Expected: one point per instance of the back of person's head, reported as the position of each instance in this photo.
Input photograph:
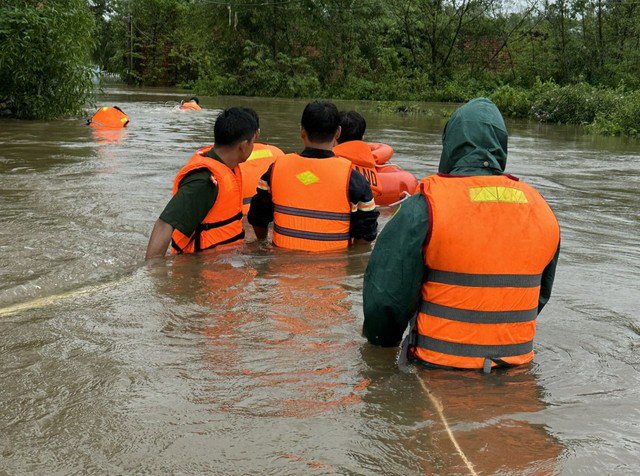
(475, 137)
(234, 125)
(320, 119)
(353, 126)
(253, 114)
(194, 99)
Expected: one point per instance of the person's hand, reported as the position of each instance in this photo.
(213, 180)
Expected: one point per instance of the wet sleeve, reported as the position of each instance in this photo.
(393, 278)
(261, 208)
(190, 205)
(364, 216)
(548, 276)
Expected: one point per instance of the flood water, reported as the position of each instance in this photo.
(252, 361)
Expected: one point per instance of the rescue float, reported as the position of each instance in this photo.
(389, 183)
(109, 117)
(381, 152)
(396, 184)
(190, 105)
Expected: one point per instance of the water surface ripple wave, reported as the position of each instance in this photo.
(252, 361)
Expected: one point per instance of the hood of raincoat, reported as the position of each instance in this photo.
(474, 141)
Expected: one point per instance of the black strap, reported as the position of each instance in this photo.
(239, 236)
(218, 224)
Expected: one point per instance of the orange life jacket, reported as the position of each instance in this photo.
(223, 223)
(259, 161)
(360, 155)
(490, 239)
(190, 105)
(109, 117)
(312, 211)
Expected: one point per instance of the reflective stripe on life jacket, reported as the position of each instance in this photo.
(360, 155)
(223, 223)
(259, 161)
(491, 238)
(312, 211)
(109, 117)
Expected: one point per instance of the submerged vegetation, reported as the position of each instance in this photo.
(569, 61)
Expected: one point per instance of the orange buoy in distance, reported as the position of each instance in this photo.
(191, 105)
(109, 117)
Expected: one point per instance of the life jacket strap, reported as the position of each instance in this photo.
(478, 317)
(473, 350)
(310, 235)
(484, 280)
(303, 212)
(218, 224)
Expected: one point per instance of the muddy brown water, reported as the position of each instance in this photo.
(252, 361)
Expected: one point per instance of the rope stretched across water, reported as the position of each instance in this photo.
(440, 409)
(48, 300)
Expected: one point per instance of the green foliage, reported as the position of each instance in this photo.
(44, 57)
(624, 119)
(573, 104)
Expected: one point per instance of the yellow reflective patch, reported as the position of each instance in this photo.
(105, 108)
(307, 177)
(260, 154)
(124, 119)
(497, 194)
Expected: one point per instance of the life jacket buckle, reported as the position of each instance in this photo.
(486, 369)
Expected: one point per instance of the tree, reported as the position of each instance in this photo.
(45, 57)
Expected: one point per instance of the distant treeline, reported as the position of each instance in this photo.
(369, 49)
(400, 50)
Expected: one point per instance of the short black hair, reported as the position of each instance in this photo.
(234, 125)
(321, 120)
(353, 126)
(194, 99)
(253, 114)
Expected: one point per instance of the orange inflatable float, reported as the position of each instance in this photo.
(381, 152)
(389, 183)
(396, 184)
(190, 105)
(109, 117)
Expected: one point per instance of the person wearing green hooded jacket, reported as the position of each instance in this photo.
(469, 260)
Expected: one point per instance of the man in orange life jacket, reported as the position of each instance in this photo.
(471, 257)
(316, 200)
(206, 209)
(352, 147)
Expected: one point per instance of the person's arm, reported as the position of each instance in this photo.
(548, 276)
(159, 240)
(261, 208)
(184, 212)
(393, 279)
(364, 216)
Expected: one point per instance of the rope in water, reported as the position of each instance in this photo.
(439, 408)
(47, 300)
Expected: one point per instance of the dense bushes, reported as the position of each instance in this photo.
(45, 50)
(606, 111)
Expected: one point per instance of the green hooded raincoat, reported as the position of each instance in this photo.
(474, 142)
